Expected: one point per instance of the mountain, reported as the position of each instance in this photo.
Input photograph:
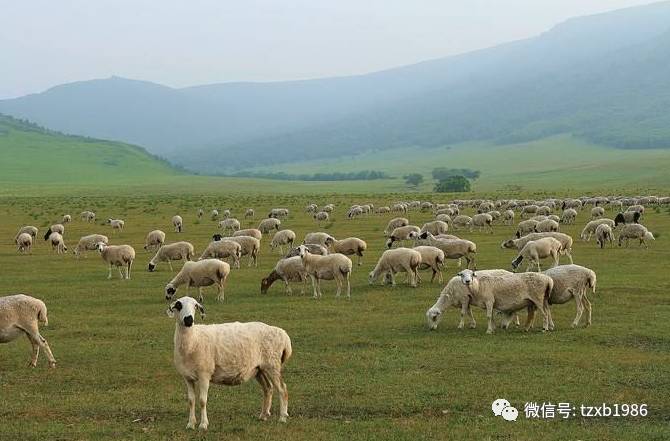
(603, 78)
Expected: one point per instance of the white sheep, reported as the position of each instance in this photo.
(635, 231)
(57, 243)
(518, 244)
(313, 248)
(87, 216)
(20, 315)
(349, 247)
(178, 223)
(116, 224)
(119, 256)
(229, 224)
(288, 269)
(627, 217)
(435, 227)
(535, 250)
(529, 209)
(154, 240)
(482, 220)
(462, 221)
(572, 281)
(89, 243)
(228, 354)
(66, 219)
(250, 246)
(395, 223)
(569, 216)
(55, 228)
(269, 224)
(226, 214)
(249, 213)
(223, 249)
(278, 213)
(597, 212)
(200, 213)
(526, 227)
(200, 274)
(24, 243)
(546, 226)
(590, 228)
(333, 266)
(323, 239)
(171, 252)
(604, 234)
(401, 234)
(394, 261)
(214, 215)
(453, 248)
(28, 229)
(281, 238)
(431, 258)
(321, 216)
(253, 232)
(508, 217)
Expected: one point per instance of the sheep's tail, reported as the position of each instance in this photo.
(288, 349)
(42, 314)
(47, 234)
(592, 282)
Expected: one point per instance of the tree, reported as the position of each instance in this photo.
(441, 173)
(453, 184)
(413, 179)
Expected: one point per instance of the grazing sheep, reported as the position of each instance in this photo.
(555, 218)
(443, 217)
(526, 227)
(66, 219)
(636, 208)
(333, 266)
(200, 213)
(311, 208)
(482, 220)
(89, 243)
(535, 250)
(228, 354)
(383, 210)
(394, 223)
(313, 248)
(20, 315)
(118, 256)
(154, 240)
(200, 274)
(214, 215)
(269, 224)
(226, 214)
(546, 226)
(57, 243)
(288, 269)
(604, 234)
(544, 210)
(319, 238)
(590, 227)
(495, 214)
(627, 217)
(399, 208)
(116, 224)
(462, 221)
(170, 252)
(55, 228)
(229, 224)
(518, 244)
(328, 208)
(431, 258)
(178, 223)
(321, 216)
(635, 231)
(402, 234)
(529, 209)
(435, 227)
(278, 213)
(453, 248)
(572, 281)
(352, 213)
(29, 229)
(24, 243)
(281, 238)
(249, 213)
(569, 216)
(253, 232)
(349, 247)
(250, 246)
(87, 216)
(394, 261)
(223, 249)
(597, 212)
(575, 204)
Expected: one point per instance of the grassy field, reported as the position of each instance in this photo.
(362, 369)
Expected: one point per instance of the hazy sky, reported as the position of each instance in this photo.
(179, 43)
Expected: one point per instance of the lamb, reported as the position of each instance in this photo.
(538, 249)
(435, 227)
(394, 223)
(627, 217)
(229, 224)
(526, 227)
(572, 281)
(269, 224)
(323, 239)
(57, 243)
(253, 232)
(462, 221)
(20, 315)
(431, 258)
(313, 248)
(604, 234)
(321, 216)
(518, 244)
(394, 261)
(178, 223)
(66, 219)
(250, 246)
(590, 227)
(597, 212)
(569, 216)
(87, 216)
(635, 231)
(546, 226)
(24, 243)
(289, 269)
(29, 229)
(200, 274)
(281, 238)
(173, 251)
(89, 243)
(154, 240)
(55, 228)
(116, 224)
(350, 246)
(504, 292)
(482, 220)
(402, 234)
(228, 354)
(333, 266)
(249, 213)
(453, 248)
(118, 256)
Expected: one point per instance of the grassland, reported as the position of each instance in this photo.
(364, 369)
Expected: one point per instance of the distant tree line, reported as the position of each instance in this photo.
(442, 173)
(364, 175)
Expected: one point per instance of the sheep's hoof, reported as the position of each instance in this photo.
(263, 416)
(489, 331)
(191, 425)
(282, 419)
(52, 364)
(32, 364)
(473, 326)
(203, 426)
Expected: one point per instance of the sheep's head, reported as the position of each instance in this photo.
(217, 237)
(433, 317)
(302, 251)
(100, 246)
(330, 240)
(170, 291)
(468, 277)
(151, 267)
(389, 242)
(507, 244)
(372, 277)
(413, 235)
(184, 310)
(424, 235)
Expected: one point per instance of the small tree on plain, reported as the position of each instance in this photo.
(453, 184)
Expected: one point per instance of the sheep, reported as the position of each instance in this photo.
(249, 212)
(223, 249)
(29, 229)
(154, 240)
(281, 238)
(394, 223)
(453, 248)
(383, 210)
(269, 224)
(328, 208)
(313, 248)
(636, 208)
(544, 210)
(323, 239)
(311, 208)
(502, 291)
(253, 232)
(226, 214)
(214, 215)
(575, 204)
(462, 221)
(250, 246)
(206, 272)
(495, 214)
(178, 223)
(228, 354)
(394, 261)
(173, 251)
(555, 218)
(635, 231)
(604, 234)
(431, 258)
(351, 214)
(590, 227)
(278, 213)
(401, 234)
(529, 209)
(508, 217)
(350, 246)
(24, 243)
(435, 227)
(66, 219)
(116, 224)
(200, 213)
(627, 217)
(482, 220)
(321, 216)
(333, 266)
(399, 208)
(89, 243)
(229, 224)
(526, 227)
(57, 243)
(55, 228)
(569, 216)
(546, 226)
(572, 281)
(87, 216)
(20, 314)
(597, 212)
(538, 249)
(288, 269)
(118, 256)
(518, 244)
(443, 217)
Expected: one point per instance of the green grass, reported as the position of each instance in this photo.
(362, 369)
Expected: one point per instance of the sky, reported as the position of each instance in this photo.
(181, 43)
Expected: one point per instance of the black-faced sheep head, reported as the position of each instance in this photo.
(184, 309)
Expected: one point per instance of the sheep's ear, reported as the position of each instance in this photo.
(201, 309)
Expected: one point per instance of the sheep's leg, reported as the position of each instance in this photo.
(569, 253)
(530, 318)
(203, 389)
(267, 395)
(109, 276)
(220, 296)
(314, 281)
(543, 307)
(190, 392)
(348, 286)
(288, 288)
(276, 379)
(587, 305)
(489, 316)
(130, 265)
(338, 282)
(170, 265)
(36, 351)
(200, 297)
(36, 339)
(465, 306)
